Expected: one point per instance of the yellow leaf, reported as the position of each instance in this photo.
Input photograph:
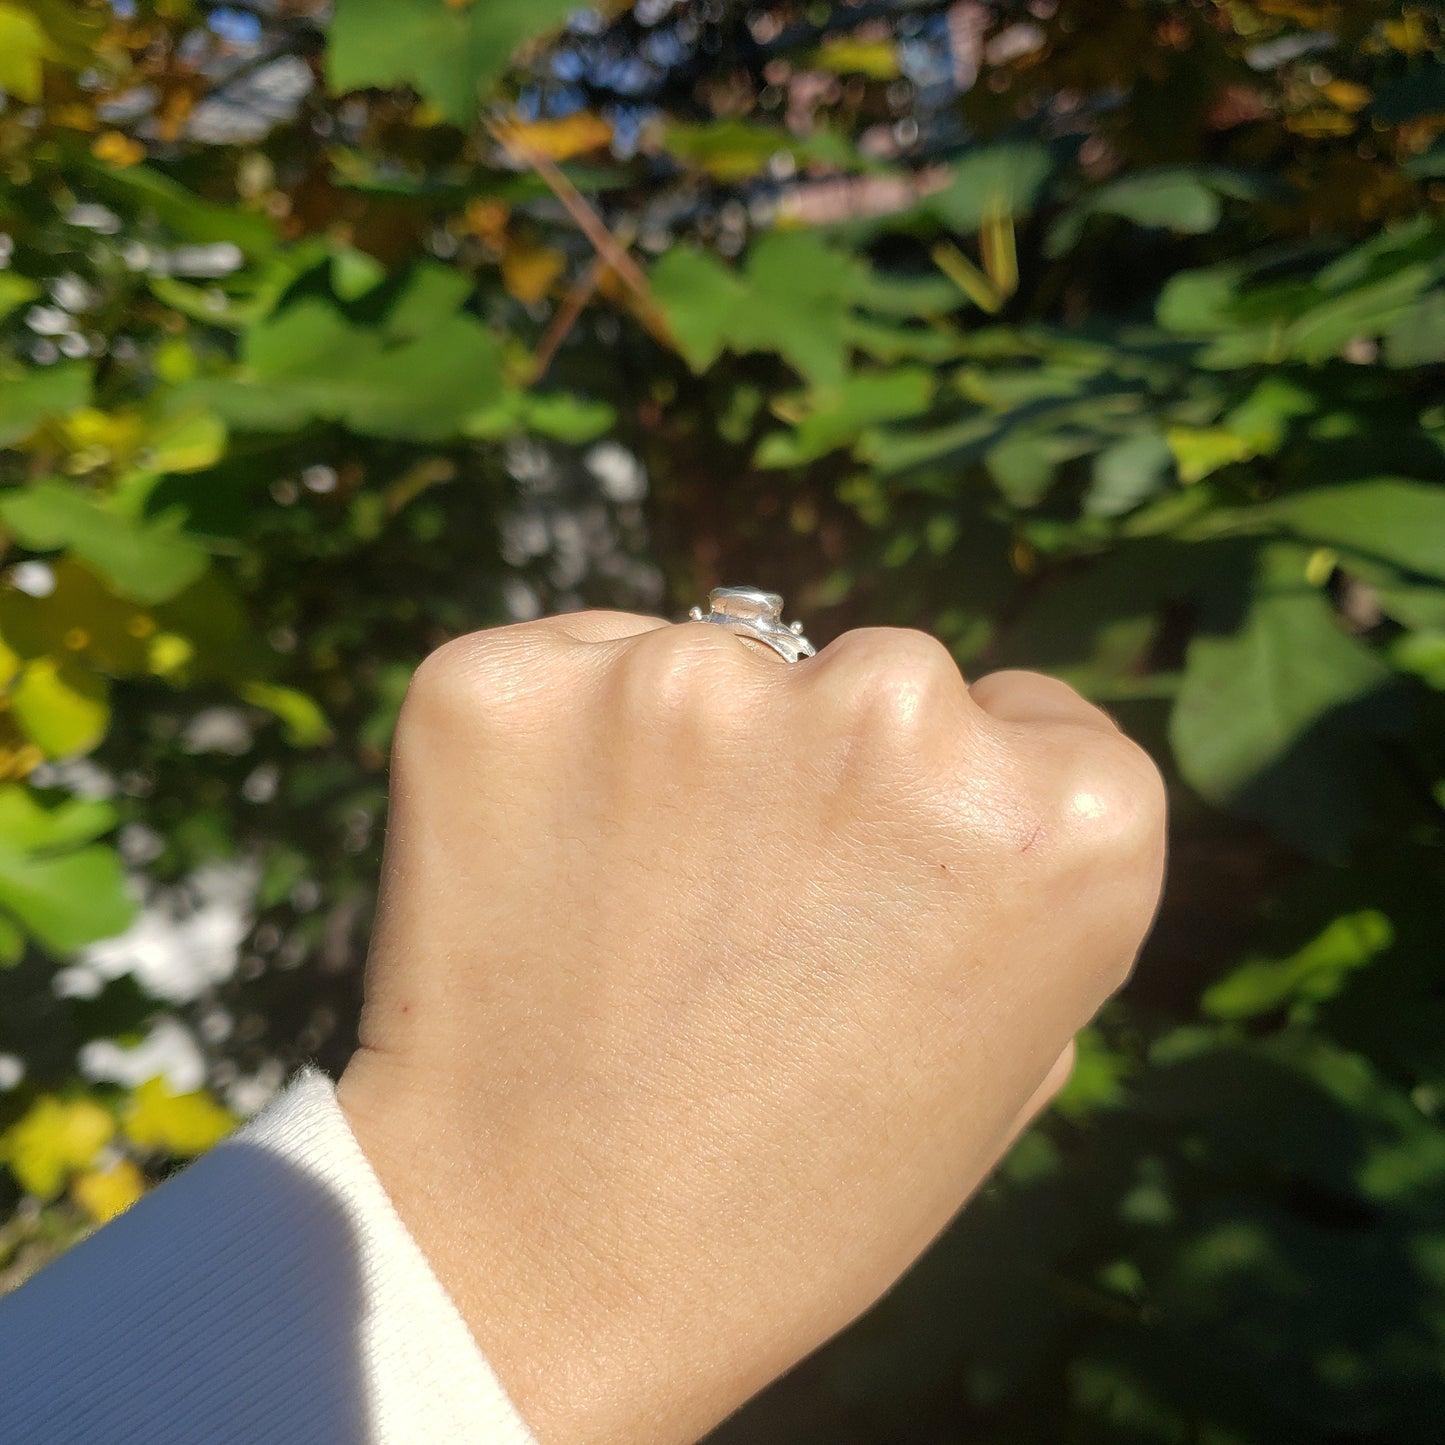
(73, 117)
(487, 220)
(61, 705)
(1198, 451)
(572, 135)
(1317, 14)
(174, 361)
(1347, 95)
(1320, 122)
(877, 59)
(104, 1193)
(1408, 34)
(19, 757)
(528, 272)
(967, 277)
(52, 1140)
(180, 1124)
(168, 654)
(998, 244)
(97, 438)
(117, 150)
(23, 45)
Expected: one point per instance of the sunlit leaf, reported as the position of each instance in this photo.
(311, 363)
(183, 1124)
(29, 827)
(1318, 971)
(54, 1139)
(144, 560)
(529, 272)
(107, 1192)
(450, 54)
(305, 723)
(564, 137)
(62, 706)
(877, 59)
(23, 47)
(66, 900)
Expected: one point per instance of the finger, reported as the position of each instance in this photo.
(1031, 697)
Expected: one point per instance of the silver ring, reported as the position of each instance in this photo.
(750, 612)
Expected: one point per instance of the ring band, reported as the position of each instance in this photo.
(750, 612)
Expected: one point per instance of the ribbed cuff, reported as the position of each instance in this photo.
(268, 1293)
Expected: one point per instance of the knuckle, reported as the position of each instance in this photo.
(448, 676)
(1113, 796)
(474, 678)
(674, 671)
(893, 676)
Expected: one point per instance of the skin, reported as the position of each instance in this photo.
(705, 987)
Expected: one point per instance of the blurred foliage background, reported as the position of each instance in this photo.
(1099, 336)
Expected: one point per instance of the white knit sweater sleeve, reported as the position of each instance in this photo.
(269, 1293)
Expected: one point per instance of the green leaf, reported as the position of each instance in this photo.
(147, 561)
(1023, 464)
(1127, 472)
(301, 717)
(311, 363)
(35, 396)
(184, 214)
(190, 441)
(1007, 177)
(1174, 200)
(838, 415)
(1391, 519)
(1272, 718)
(786, 301)
(69, 900)
(15, 290)
(451, 55)
(12, 942)
(1418, 337)
(735, 150)
(354, 273)
(1318, 971)
(1097, 1079)
(1422, 653)
(905, 297)
(701, 298)
(429, 297)
(28, 827)
(561, 415)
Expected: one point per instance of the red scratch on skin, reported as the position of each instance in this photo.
(1033, 838)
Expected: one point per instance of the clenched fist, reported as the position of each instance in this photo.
(706, 987)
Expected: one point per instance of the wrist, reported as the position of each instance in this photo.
(589, 1350)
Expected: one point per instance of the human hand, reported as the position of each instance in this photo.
(706, 987)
